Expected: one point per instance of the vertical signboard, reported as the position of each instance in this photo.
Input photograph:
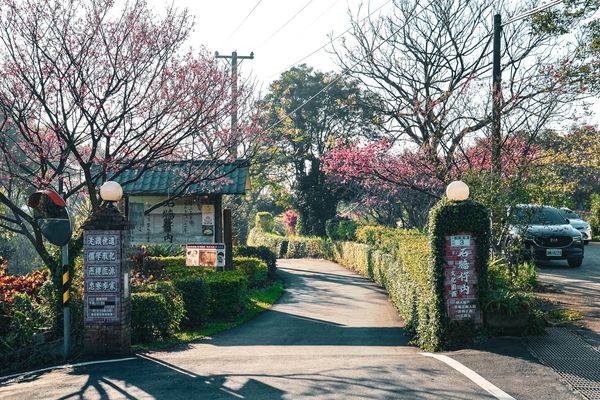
(460, 279)
(102, 276)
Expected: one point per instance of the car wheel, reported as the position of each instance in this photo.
(575, 262)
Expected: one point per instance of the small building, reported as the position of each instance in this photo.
(195, 214)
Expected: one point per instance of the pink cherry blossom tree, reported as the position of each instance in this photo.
(89, 90)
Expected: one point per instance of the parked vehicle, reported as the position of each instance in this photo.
(578, 223)
(542, 233)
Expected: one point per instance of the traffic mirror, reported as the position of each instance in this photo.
(51, 214)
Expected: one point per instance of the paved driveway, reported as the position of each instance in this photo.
(577, 288)
(333, 335)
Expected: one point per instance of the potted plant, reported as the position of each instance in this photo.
(506, 308)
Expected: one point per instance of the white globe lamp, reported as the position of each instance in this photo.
(457, 191)
(111, 191)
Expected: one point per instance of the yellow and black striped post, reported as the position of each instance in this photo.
(66, 282)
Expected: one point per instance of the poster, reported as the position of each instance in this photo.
(180, 221)
(205, 255)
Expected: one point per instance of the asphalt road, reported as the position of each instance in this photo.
(576, 288)
(333, 335)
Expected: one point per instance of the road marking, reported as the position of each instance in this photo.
(168, 366)
(65, 366)
(472, 375)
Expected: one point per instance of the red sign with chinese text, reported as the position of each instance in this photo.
(460, 279)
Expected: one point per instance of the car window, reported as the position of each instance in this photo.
(569, 214)
(538, 216)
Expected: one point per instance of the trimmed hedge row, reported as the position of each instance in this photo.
(253, 268)
(291, 246)
(159, 308)
(261, 252)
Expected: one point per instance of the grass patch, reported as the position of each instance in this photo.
(564, 315)
(258, 301)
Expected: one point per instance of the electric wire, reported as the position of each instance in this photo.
(243, 21)
(533, 11)
(334, 81)
(329, 41)
(286, 23)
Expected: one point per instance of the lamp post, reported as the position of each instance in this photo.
(457, 191)
(111, 191)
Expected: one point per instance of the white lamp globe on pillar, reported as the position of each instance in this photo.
(111, 191)
(457, 191)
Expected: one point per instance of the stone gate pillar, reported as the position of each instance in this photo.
(107, 305)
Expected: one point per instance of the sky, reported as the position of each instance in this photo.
(220, 26)
(280, 33)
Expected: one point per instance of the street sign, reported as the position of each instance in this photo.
(52, 216)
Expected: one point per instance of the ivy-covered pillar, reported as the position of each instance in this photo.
(460, 246)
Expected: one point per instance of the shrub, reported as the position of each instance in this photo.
(150, 318)
(173, 301)
(194, 292)
(595, 216)
(341, 229)
(265, 221)
(255, 270)
(524, 277)
(277, 244)
(261, 252)
(227, 293)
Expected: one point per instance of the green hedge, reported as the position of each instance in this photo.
(227, 293)
(264, 221)
(195, 294)
(150, 318)
(261, 252)
(291, 246)
(160, 326)
(255, 270)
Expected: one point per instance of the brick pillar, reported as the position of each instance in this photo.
(107, 298)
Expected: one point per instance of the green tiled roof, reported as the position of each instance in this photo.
(168, 178)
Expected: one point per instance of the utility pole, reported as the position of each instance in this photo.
(234, 88)
(496, 100)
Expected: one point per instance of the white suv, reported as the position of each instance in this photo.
(577, 223)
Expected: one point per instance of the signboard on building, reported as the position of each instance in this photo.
(205, 255)
(102, 275)
(180, 221)
(460, 279)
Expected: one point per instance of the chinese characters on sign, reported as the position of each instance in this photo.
(179, 221)
(460, 279)
(102, 269)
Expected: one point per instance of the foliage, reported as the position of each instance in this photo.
(506, 302)
(228, 292)
(290, 220)
(254, 268)
(257, 301)
(301, 135)
(265, 221)
(173, 302)
(595, 216)
(501, 276)
(195, 295)
(10, 285)
(290, 246)
(341, 229)
(565, 314)
(260, 252)
(150, 317)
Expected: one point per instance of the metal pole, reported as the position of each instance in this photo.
(66, 282)
(496, 99)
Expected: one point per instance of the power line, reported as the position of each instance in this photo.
(330, 41)
(533, 11)
(286, 23)
(244, 20)
(323, 13)
(348, 69)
